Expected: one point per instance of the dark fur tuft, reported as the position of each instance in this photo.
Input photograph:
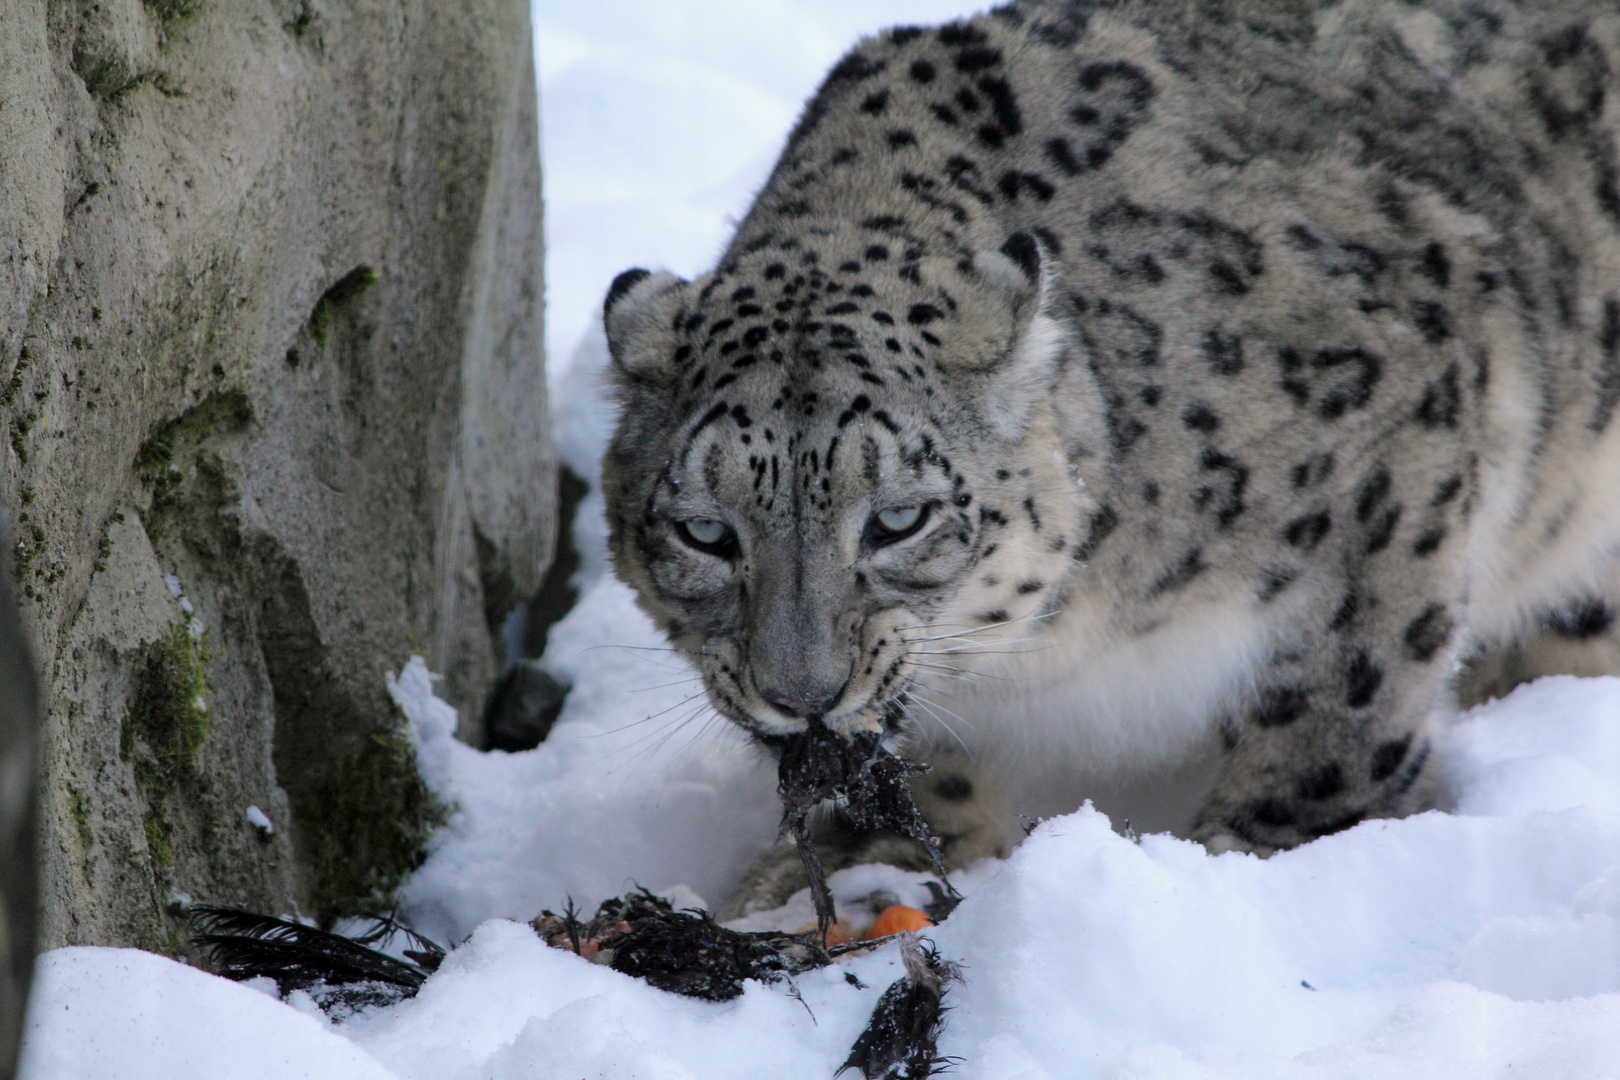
(622, 285)
(1023, 249)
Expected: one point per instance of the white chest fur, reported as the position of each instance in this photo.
(1076, 695)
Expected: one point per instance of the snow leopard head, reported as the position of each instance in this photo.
(834, 474)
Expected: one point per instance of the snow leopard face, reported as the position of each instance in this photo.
(826, 483)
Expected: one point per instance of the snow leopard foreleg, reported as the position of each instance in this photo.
(1340, 725)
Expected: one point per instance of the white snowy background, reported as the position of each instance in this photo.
(1480, 943)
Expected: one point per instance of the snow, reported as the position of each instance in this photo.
(610, 800)
(259, 820)
(1480, 942)
(134, 1015)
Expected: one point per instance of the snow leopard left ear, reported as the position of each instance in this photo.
(638, 317)
(1018, 268)
(1025, 272)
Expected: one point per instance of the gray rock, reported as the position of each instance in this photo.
(272, 419)
(19, 895)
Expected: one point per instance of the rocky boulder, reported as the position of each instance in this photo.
(272, 419)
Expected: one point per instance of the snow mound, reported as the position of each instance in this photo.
(97, 1014)
(1481, 942)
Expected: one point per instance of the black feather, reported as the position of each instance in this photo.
(901, 1040)
(340, 972)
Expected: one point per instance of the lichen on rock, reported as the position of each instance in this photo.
(170, 710)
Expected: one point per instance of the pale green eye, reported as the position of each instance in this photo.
(896, 523)
(899, 518)
(705, 532)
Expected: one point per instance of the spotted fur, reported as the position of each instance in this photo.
(1254, 362)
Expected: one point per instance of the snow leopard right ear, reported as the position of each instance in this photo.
(1025, 273)
(1021, 268)
(638, 316)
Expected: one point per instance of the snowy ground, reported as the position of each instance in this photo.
(1480, 943)
(1485, 942)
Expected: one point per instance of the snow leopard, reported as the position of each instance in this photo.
(1096, 379)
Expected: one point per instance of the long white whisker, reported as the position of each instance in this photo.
(933, 689)
(985, 650)
(636, 723)
(963, 674)
(975, 629)
(665, 686)
(938, 719)
(641, 648)
(973, 644)
(696, 738)
(652, 750)
(657, 732)
(948, 672)
(952, 712)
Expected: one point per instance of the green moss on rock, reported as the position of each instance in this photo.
(20, 426)
(9, 391)
(159, 460)
(366, 828)
(170, 710)
(81, 815)
(347, 289)
(173, 10)
(166, 726)
(158, 843)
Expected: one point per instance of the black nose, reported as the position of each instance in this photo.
(806, 703)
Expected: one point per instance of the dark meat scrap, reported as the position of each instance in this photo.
(685, 952)
(611, 922)
(863, 779)
(691, 954)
